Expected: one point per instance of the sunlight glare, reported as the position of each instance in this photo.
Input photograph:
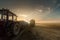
(25, 18)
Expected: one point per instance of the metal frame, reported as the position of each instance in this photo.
(7, 13)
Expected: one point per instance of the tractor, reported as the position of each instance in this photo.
(8, 23)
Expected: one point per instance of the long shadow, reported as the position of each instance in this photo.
(27, 35)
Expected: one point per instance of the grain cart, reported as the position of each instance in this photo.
(8, 23)
(32, 23)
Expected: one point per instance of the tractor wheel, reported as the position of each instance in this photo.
(16, 29)
(13, 29)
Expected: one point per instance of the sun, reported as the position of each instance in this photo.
(24, 17)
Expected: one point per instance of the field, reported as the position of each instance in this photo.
(49, 25)
(42, 31)
(48, 31)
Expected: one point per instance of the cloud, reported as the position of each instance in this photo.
(38, 9)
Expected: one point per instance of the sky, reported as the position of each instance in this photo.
(40, 10)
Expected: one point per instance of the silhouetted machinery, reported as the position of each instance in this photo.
(32, 23)
(9, 24)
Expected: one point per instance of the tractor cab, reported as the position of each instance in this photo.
(6, 15)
